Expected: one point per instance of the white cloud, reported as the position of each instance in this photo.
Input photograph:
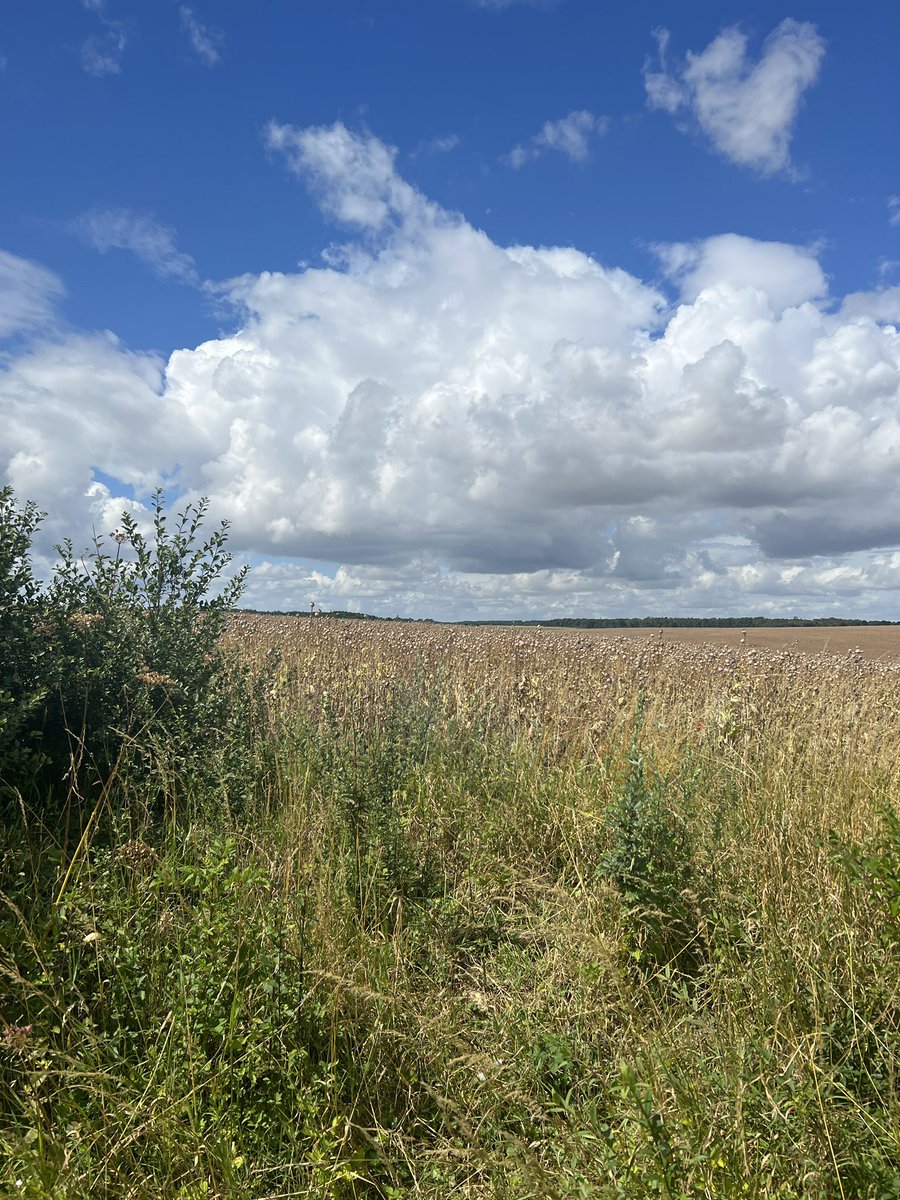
(28, 295)
(440, 145)
(787, 275)
(206, 42)
(882, 305)
(569, 135)
(101, 53)
(76, 402)
(747, 109)
(464, 427)
(893, 210)
(663, 90)
(154, 244)
(857, 586)
(355, 178)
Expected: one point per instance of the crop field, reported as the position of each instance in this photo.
(478, 912)
(879, 643)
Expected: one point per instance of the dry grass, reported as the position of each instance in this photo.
(577, 689)
(493, 913)
(875, 643)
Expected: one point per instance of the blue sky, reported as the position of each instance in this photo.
(460, 307)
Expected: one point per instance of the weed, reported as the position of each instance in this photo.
(649, 862)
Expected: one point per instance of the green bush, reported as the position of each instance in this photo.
(119, 656)
(21, 691)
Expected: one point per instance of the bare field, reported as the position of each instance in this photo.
(879, 643)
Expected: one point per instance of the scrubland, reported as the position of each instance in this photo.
(470, 912)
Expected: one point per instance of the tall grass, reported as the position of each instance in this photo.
(472, 913)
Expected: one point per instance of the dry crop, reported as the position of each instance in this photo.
(484, 913)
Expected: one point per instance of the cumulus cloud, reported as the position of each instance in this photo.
(28, 295)
(205, 41)
(882, 305)
(461, 427)
(787, 275)
(569, 135)
(747, 109)
(893, 204)
(154, 244)
(75, 402)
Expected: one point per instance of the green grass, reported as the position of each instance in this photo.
(476, 914)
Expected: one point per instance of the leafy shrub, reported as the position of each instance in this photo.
(20, 689)
(120, 654)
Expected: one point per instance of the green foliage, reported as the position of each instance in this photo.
(370, 767)
(119, 657)
(649, 861)
(177, 983)
(21, 690)
(877, 870)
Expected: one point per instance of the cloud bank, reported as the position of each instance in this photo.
(461, 427)
(747, 109)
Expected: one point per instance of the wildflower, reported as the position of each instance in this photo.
(15, 1038)
(137, 856)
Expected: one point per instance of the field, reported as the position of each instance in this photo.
(874, 643)
(481, 912)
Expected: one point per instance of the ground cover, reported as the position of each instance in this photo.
(474, 912)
